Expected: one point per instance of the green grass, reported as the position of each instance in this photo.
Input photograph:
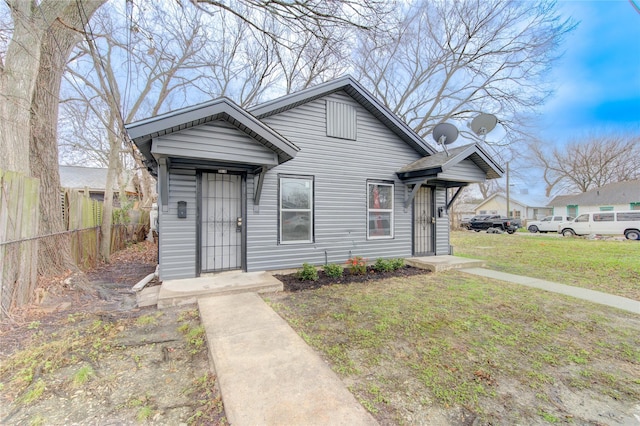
(459, 337)
(83, 375)
(609, 266)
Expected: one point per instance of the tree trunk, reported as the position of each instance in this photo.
(17, 82)
(56, 45)
(112, 175)
(145, 180)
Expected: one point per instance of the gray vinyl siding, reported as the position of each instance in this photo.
(178, 236)
(465, 171)
(341, 120)
(340, 169)
(442, 223)
(217, 140)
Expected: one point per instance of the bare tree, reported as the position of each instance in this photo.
(450, 60)
(177, 55)
(589, 162)
(37, 44)
(31, 67)
(41, 35)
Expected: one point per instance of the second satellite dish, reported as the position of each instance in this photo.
(445, 133)
(483, 124)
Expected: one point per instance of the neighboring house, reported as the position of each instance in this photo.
(462, 212)
(317, 176)
(611, 197)
(497, 204)
(91, 179)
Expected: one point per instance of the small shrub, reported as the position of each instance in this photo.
(357, 265)
(397, 263)
(308, 273)
(334, 271)
(382, 265)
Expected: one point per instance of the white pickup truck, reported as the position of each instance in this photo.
(548, 224)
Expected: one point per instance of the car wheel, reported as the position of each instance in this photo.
(511, 231)
(533, 229)
(632, 234)
(568, 233)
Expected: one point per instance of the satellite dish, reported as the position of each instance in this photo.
(483, 124)
(445, 133)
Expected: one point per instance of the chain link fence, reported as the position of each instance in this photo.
(17, 260)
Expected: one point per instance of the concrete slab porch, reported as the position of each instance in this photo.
(443, 263)
(187, 291)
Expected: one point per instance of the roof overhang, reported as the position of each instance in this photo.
(360, 95)
(144, 131)
(434, 167)
(443, 169)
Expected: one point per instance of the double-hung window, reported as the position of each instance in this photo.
(296, 209)
(379, 210)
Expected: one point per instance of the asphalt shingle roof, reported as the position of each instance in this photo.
(613, 193)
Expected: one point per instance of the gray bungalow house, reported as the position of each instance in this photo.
(318, 176)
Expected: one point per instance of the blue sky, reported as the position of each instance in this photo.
(598, 78)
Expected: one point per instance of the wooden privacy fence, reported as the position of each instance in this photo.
(19, 207)
(19, 239)
(79, 211)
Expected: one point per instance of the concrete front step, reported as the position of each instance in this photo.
(187, 291)
(443, 263)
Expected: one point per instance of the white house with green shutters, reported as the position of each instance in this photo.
(317, 176)
(618, 196)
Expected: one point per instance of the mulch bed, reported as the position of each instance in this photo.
(293, 283)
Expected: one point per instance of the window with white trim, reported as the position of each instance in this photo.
(295, 209)
(379, 210)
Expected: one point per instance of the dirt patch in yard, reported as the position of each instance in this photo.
(90, 356)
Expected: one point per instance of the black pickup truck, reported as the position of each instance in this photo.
(487, 222)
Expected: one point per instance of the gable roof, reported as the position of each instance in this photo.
(496, 195)
(142, 132)
(614, 193)
(94, 178)
(465, 207)
(441, 162)
(360, 95)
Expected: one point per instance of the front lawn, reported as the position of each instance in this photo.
(608, 266)
(451, 348)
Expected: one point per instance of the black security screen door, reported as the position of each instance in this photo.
(423, 222)
(221, 226)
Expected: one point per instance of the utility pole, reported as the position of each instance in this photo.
(508, 215)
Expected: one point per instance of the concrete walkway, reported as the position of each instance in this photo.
(267, 374)
(578, 292)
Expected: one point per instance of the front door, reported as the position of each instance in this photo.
(423, 222)
(221, 222)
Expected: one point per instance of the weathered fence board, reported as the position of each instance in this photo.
(19, 207)
(19, 239)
